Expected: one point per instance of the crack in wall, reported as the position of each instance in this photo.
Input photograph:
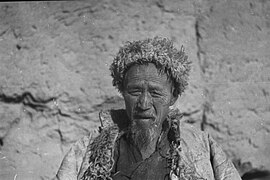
(39, 105)
(204, 120)
(62, 140)
(202, 68)
(161, 6)
(27, 99)
(1, 142)
(114, 102)
(190, 113)
(198, 40)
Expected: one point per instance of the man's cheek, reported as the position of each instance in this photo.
(130, 105)
(161, 113)
(161, 102)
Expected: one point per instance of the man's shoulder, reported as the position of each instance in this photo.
(73, 159)
(193, 136)
(192, 129)
(186, 129)
(79, 148)
(107, 119)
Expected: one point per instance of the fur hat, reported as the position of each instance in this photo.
(159, 51)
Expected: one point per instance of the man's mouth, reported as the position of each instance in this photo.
(142, 116)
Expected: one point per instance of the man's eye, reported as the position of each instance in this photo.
(156, 94)
(134, 92)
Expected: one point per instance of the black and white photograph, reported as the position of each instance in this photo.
(135, 90)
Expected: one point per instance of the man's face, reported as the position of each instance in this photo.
(148, 95)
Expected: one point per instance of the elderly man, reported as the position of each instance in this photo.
(147, 139)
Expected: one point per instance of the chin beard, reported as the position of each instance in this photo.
(142, 134)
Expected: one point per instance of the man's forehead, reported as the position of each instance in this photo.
(150, 83)
(141, 74)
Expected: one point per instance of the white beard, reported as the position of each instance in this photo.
(142, 134)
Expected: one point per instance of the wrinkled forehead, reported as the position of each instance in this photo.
(146, 72)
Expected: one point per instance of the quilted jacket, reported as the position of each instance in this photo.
(107, 154)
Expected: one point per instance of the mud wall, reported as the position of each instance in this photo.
(54, 75)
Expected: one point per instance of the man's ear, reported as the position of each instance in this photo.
(174, 97)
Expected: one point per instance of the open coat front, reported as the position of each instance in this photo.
(109, 155)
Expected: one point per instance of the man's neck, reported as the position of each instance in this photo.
(150, 149)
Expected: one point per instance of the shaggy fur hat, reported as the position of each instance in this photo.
(159, 51)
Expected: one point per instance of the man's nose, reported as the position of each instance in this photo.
(144, 101)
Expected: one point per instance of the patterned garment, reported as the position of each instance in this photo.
(183, 153)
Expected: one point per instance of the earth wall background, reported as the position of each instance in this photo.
(54, 76)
